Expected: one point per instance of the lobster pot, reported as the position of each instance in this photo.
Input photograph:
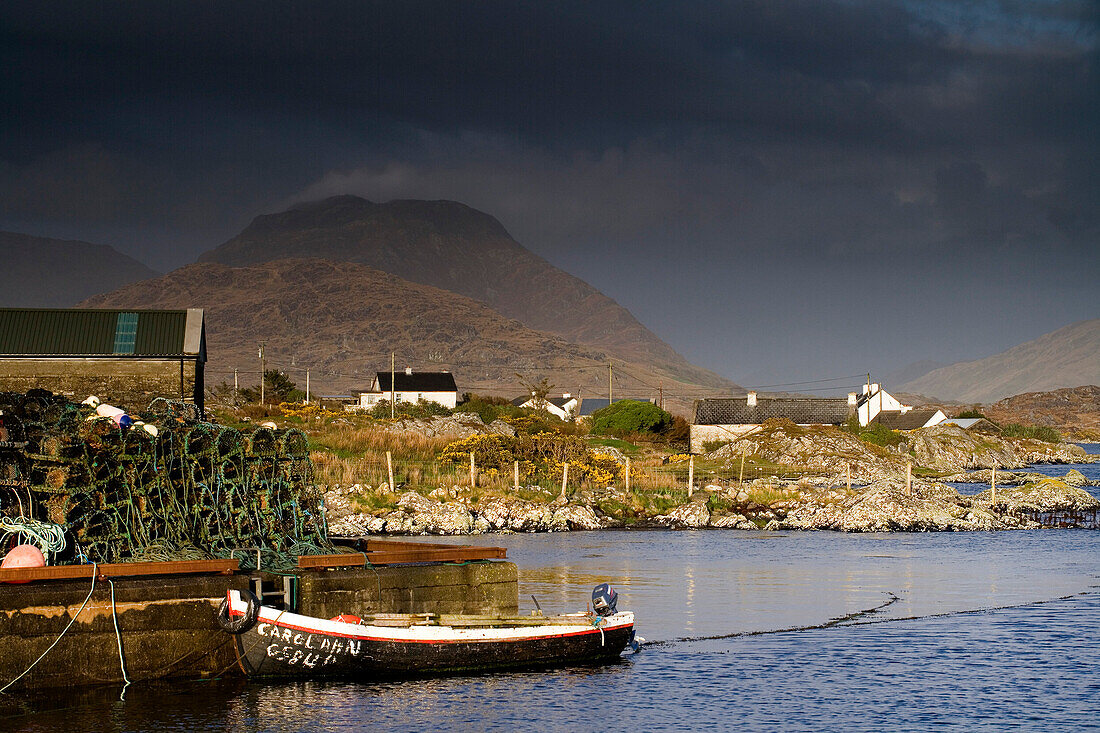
(123, 492)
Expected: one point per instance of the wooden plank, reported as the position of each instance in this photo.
(330, 561)
(117, 570)
(406, 552)
(455, 554)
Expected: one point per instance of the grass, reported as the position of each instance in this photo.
(625, 447)
(1035, 432)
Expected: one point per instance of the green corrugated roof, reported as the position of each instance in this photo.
(76, 331)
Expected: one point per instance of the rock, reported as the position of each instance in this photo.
(1074, 477)
(455, 427)
(732, 521)
(581, 517)
(691, 516)
(950, 448)
(885, 507)
(827, 449)
(518, 515)
(1045, 495)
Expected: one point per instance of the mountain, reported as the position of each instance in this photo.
(343, 320)
(1068, 357)
(55, 273)
(453, 247)
(911, 372)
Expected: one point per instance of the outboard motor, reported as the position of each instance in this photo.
(604, 600)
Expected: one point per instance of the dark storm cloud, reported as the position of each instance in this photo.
(826, 134)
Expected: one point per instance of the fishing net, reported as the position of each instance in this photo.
(195, 489)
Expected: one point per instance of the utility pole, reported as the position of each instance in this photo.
(235, 387)
(868, 399)
(609, 400)
(263, 368)
(393, 390)
(307, 386)
(661, 399)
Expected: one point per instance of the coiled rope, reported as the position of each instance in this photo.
(49, 537)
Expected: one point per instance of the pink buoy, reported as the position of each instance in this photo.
(24, 556)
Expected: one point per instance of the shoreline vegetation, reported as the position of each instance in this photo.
(491, 467)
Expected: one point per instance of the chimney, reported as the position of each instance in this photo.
(565, 395)
(875, 386)
(750, 399)
(851, 399)
(409, 371)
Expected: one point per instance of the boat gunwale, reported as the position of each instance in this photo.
(458, 635)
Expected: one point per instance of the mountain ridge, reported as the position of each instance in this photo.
(41, 272)
(451, 246)
(344, 319)
(1066, 357)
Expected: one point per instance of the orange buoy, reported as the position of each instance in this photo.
(347, 618)
(24, 556)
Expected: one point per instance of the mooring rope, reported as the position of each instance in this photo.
(95, 573)
(118, 638)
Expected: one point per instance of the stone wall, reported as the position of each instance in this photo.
(701, 434)
(167, 623)
(128, 383)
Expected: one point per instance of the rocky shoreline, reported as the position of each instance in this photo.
(880, 499)
(883, 506)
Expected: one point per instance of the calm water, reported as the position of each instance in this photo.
(748, 630)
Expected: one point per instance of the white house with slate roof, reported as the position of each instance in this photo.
(564, 407)
(727, 419)
(410, 386)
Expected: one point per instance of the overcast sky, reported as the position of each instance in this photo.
(783, 191)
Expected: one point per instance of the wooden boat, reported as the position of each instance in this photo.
(277, 643)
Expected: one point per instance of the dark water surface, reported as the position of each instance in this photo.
(748, 631)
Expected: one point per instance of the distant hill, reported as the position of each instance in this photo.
(55, 273)
(451, 246)
(1068, 357)
(1073, 409)
(344, 319)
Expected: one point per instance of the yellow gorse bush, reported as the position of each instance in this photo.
(296, 409)
(540, 456)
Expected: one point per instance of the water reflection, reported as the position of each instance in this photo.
(1029, 665)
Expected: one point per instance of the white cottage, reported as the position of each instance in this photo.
(410, 386)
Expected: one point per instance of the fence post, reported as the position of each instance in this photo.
(741, 473)
(473, 471)
(564, 477)
(515, 475)
(389, 468)
(848, 472)
(993, 487)
(627, 475)
(691, 474)
(909, 478)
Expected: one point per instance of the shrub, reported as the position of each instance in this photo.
(421, 410)
(539, 456)
(880, 435)
(1035, 432)
(972, 412)
(630, 416)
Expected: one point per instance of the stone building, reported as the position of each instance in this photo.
(726, 419)
(125, 357)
